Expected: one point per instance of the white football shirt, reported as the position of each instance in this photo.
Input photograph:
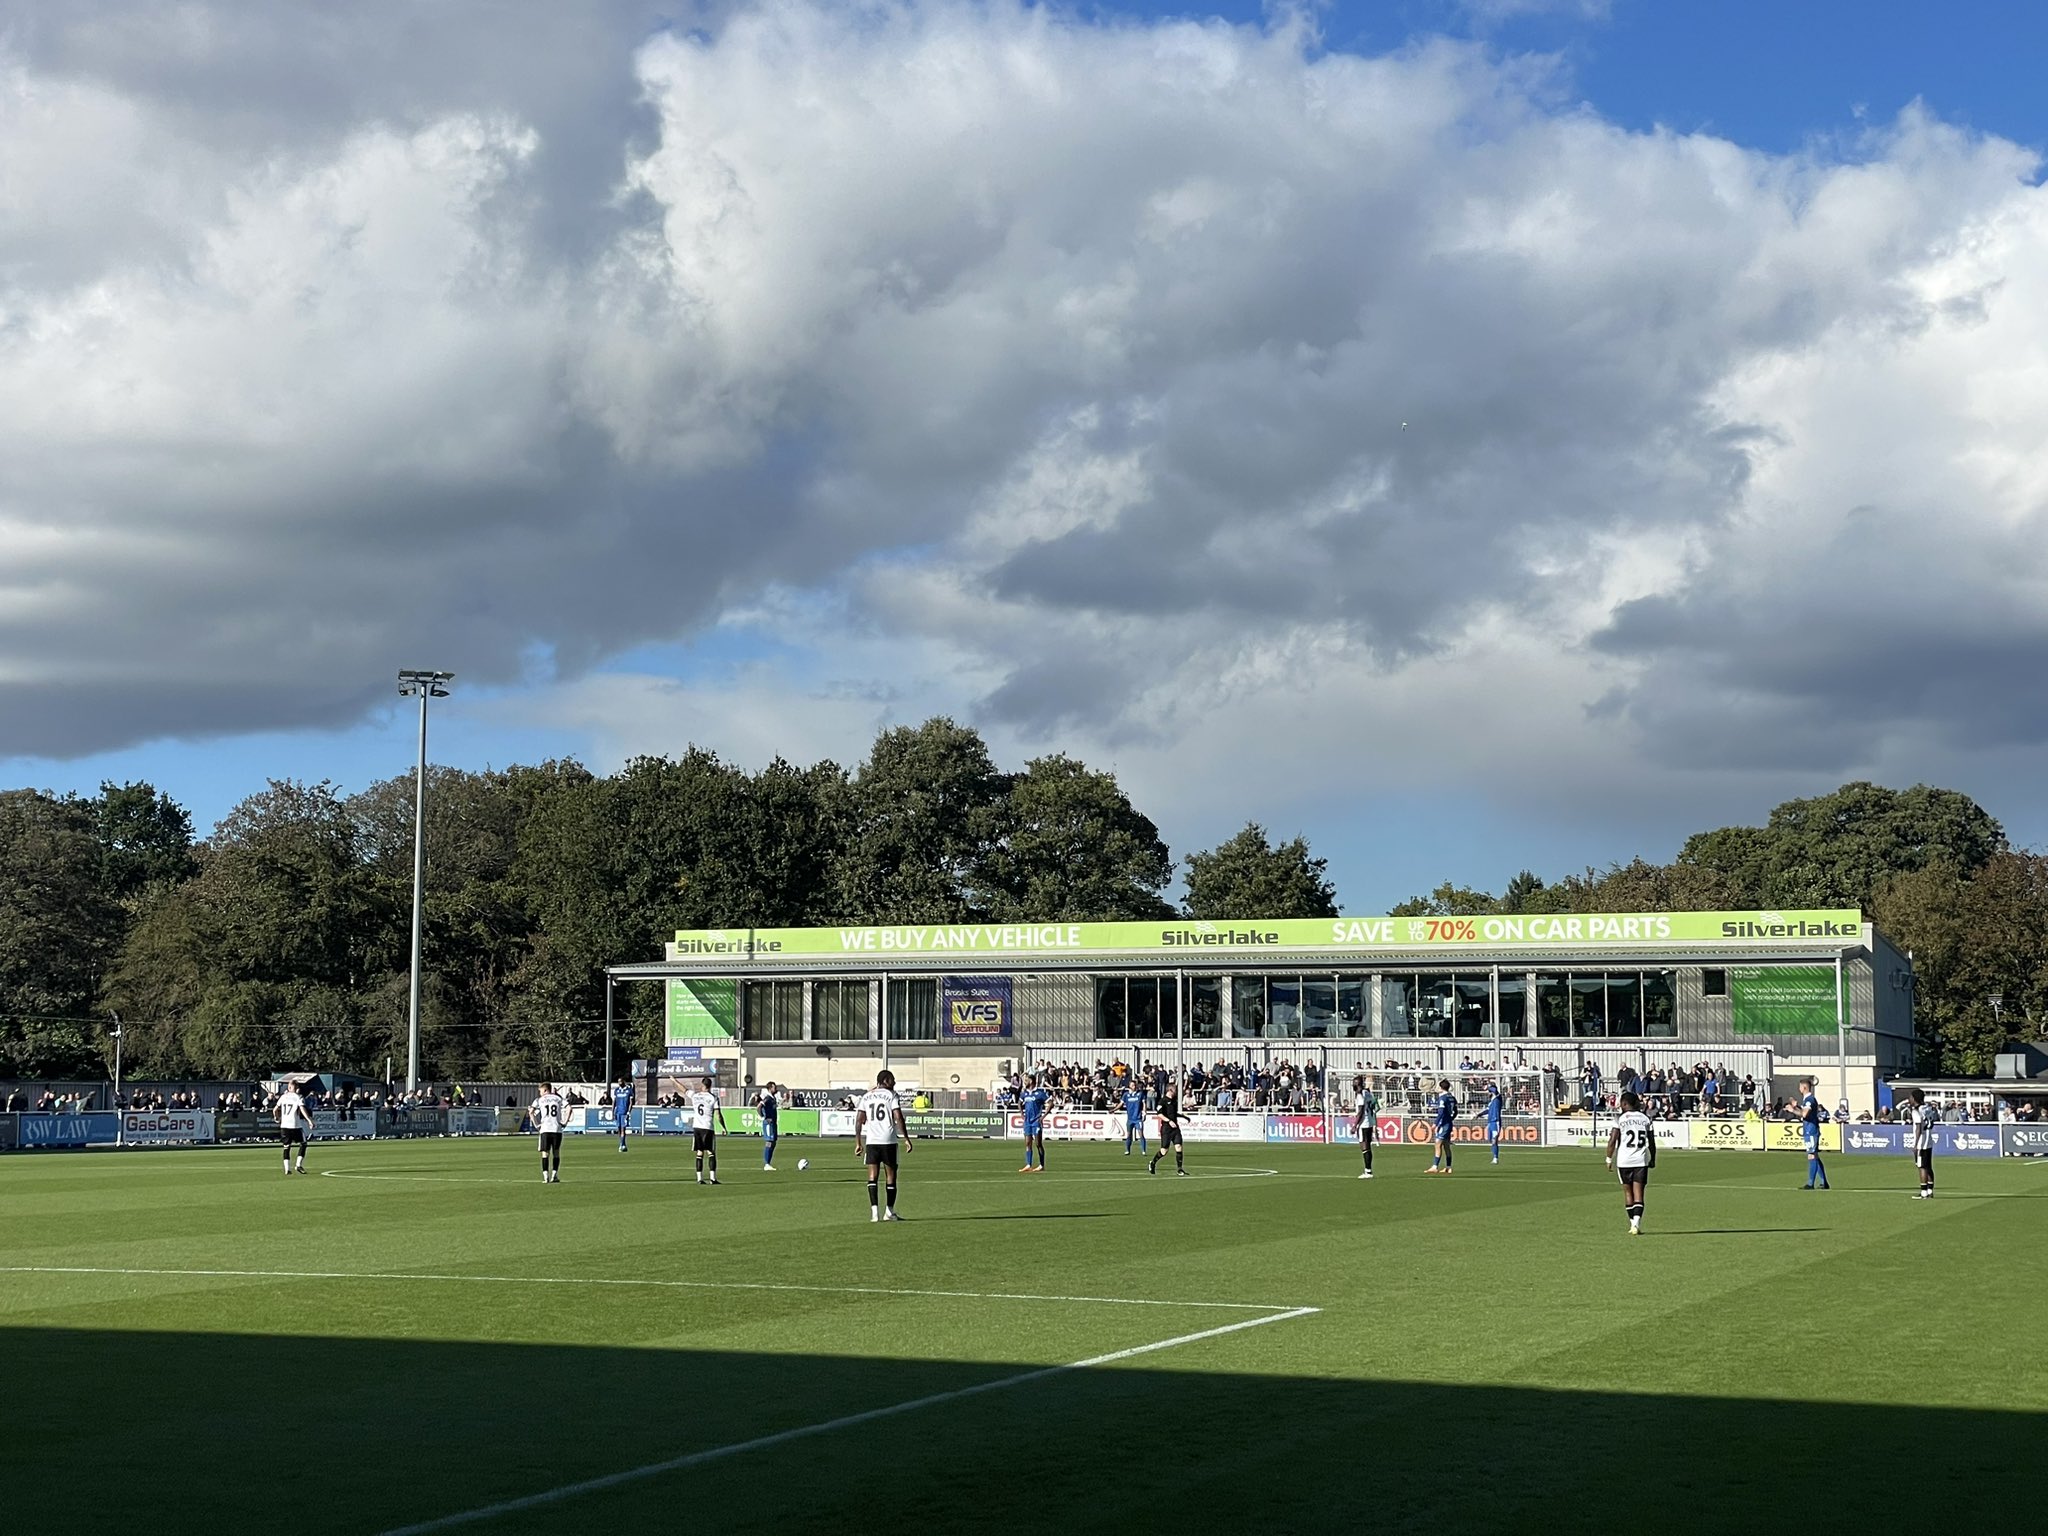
(703, 1106)
(1924, 1120)
(878, 1127)
(292, 1113)
(548, 1113)
(1633, 1151)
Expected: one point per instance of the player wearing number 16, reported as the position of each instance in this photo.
(1632, 1153)
(879, 1132)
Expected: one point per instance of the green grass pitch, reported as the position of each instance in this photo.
(423, 1330)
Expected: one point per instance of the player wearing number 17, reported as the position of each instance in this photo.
(1632, 1153)
(879, 1132)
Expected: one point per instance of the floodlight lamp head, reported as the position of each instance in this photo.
(433, 684)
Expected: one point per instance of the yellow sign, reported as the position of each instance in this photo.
(1732, 1135)
(1785, 1136)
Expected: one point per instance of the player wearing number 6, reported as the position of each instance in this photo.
(1632, 1153)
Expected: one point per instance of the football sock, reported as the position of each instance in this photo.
(714, 1163)
(1179, 1161)
(892, 1197)
(873, 1196)
(1368, 1157)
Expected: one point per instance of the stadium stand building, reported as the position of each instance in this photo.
(951, 1007)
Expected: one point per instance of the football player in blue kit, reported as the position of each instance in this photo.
(1809, 1133)
(1036, 1097)
(1445, 1105)
(1134, 1117)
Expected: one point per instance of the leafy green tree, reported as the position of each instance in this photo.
(611, 869)
(1245, 876)
(1448, 900)
(145, 839)
(263, 958)
(1835, 850)
(58, 932)
(1973, 937)
(1066, 844)
(917, 815)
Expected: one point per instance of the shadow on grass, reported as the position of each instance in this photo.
(173, 1432)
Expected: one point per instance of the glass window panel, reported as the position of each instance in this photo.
(1144, 1007)
(1351, 1014)
(1589, 1006)
(1553, 1007)
(775, 1010)
(1112, 1008)
(1205, 1007)
(1397, 1005)
(1318, 1008)
(1514, 1007)
(1475, 1007)
(1624, 1005)
(1435, 1003)
(1660, 1005)
(914, 1010)
(1283, 1007)
(1248, 1007)
(839, 1010)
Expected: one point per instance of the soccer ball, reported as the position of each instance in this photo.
(802, 1163)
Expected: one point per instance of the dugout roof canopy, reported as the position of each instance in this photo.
(1523, 940)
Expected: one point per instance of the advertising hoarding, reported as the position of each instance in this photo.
(1336, 936)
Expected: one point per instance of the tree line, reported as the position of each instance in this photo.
(283, 938)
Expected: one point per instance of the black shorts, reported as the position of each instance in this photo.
(551, 1141)
(1633, 1175)
(1368, 1131)
(1923, 1159)
(1169, 1134)
(704, 1141)
(881, 1154)
(293, 1135)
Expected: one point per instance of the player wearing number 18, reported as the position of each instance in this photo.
(879, 1132)
(1632, 1153)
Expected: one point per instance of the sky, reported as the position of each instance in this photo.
(1474, 436)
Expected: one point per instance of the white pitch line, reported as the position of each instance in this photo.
(608, 1280)
(826, 1177)
(784, 1437)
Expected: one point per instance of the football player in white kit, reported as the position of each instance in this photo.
(878, 1130)
(294, 1124)
(1632, 1153)
(707, 1119)
(549, 1113)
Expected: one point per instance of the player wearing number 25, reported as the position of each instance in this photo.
(1632, 1153)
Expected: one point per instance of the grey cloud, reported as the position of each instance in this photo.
(460, 332)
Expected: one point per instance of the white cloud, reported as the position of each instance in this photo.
(1148, 389)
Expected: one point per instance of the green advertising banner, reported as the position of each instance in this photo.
(1782, 999)
(1334, 936)
(703, 1010)
(790, 1122)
